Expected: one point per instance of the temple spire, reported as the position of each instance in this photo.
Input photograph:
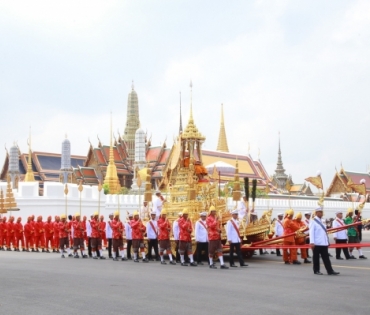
(222, 140)
(29, 177)
(180, 128)
(279, 166)
(111, 178)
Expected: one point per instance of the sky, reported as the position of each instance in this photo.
(298, 68)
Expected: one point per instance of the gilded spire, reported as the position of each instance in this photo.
(191, 131)
(180, 128)
(279, 166)
(29, 177)
(111, 178)
(222, 140)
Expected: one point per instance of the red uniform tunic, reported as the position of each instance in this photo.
(56, 234)
(49, 232)
(33, 233)
(28, 234)
(102, 226)
(138, 229)
(186, 228)
(85, 234)
(63, 229)
(78, 230)
(164, 228)
(95, 228)
(213, 228)
(2, 233)
(39, 234)
(301, 240)
(290, 226)
(10, 234)
(19, 237)
(117, 229)
(70, 225)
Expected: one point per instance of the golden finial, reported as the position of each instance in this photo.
(222, 140)
(132, 85)
(29, 177)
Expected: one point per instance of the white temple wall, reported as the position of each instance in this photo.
(54, 202)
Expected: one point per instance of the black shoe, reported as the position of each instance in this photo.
(318, 273)
(178, 261)
(224, 267)
(115, 259)
(123, 259)
(265, 252)
(298, 253)
(62, 256)
(136, 260)
(330, 255)
(362, 257)
(308, 256)
(158, 259)
(296, 262)
(8, 249)
(352, 257)
(102, 257)
(235, 266)
(272, 252)
(95, 257)
(333, 273)
(306, 261)
(172, 262)
(43, 251)
(24, 250)
(244, 265)
(200, 263)
(213, 266)
(70, 255)
(145, 260)
(339, 258)
(32, 250)
(194, 264)
(85, 256)
(110, 256)
(76, 256)
(279, 255)
(287, 262)
(150, 259)
(163, 263)
(184, 264)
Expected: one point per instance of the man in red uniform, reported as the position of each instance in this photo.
(78, 240)
(290, 227)
(96, 236)
(301, 240)
(63, 228)
(33, 223)
(28, 234)
(19, 237)
(49, 231)
(214, 239)
(164, 229)
(39, 234)
(117, 237)
(102, 229)
(10, 234)
(85, 233)
(3, 233)
(71, 219)
(185, 245)
(56, 234)
(138, 230)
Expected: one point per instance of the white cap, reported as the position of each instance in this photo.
(203, 214)
(110, 214)
(338, 212)
(307, 212)
(153, 212)
(319, 209)
(280, 214)
(235, 211)
(130, 215)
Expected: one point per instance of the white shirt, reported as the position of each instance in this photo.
(231, 232)
(88, 228)
(128, 230)
(176, 230)
(279, 229)
(109, 231)
(318, 234)
(152, 234)
(242, 208)
(157, 206)
(144, 212)
(201, 233)
(340, 235)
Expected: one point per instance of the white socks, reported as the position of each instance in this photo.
(221, 258)
(135, 256)
(114, 255)
(191, 258)
(68, 251)
(101, 252)
(182, 259)
(121, 252)
(94, 253)
(61, 251)
(360, 252)
(170, 255)
(161, 257)
(143, 254)
(210, 261)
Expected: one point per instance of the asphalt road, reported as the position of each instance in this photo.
(38, 283)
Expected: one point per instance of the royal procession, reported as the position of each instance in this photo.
(184, 157)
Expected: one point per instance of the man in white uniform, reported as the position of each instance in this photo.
(340, 237)
(152, 234)
(233, 237)
(242, 208)
(158, 204)
(128, 231)
(201, 237)
(319, 241)
(176, 234)
(279, 230)
(109, 234)
(88, 234)
(306, 221)
(144, 211)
